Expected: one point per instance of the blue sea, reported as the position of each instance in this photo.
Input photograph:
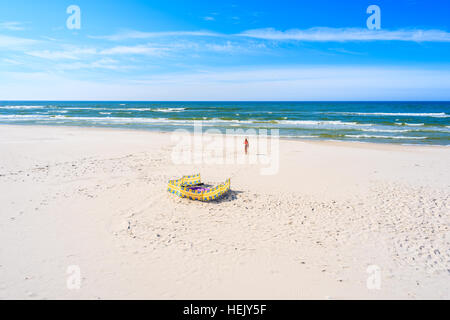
(381, 122)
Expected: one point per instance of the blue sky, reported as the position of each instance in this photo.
(221, 50)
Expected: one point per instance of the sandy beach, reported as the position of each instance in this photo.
(338, 220)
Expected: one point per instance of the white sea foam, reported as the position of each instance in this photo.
(382, 137)
(325, 123)
(294, 122)
(84, 108)
(385, 130)
(319, 122)
(129, 109)
(299, 136)
(21, 107)
(114, 119)
(30, 118)
(22, 116)
(107, 109)
(409, 124)
(169, 109)
(395, 114)
(88, 119)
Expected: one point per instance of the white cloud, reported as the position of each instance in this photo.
(146, 35)
(140, 49)
(208, 18)
(70, 54)
(12, 25)
(11, 61)
(154, 49)
(348, 34)
(316, 34)
(74, 53)
(14, 43)
(227, 47)
(109, 64)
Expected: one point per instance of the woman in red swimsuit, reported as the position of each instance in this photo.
(246, 145)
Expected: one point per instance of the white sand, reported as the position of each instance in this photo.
(97, 199)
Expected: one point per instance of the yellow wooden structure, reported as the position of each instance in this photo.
(186, 187)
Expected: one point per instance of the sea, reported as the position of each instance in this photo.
(381, 122)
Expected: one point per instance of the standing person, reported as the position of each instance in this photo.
(246, 145)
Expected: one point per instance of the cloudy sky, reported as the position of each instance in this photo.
(224, 50)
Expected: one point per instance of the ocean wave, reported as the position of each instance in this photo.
(130, 109)
(394, 114)
(84, 108)
(213, 121)
(126, 109)
(327, 122)
(169, 109)
(294, 122)
(409, 124)
(298, 136)
(21, 107)
(23, 116)
(382, 137)
(69, 118)
(385, 130)
(107, 109)
(112, 119)
(286, 122)
(282, 124)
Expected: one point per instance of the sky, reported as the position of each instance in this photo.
(224, 50)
